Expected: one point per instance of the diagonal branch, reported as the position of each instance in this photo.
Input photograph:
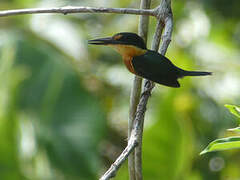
(164, 19)
(79, 9)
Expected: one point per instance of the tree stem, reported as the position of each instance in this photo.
(164, 16)
(142, 31)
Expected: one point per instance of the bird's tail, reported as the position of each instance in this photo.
(195, 73)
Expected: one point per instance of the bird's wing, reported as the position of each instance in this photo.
(157, 68)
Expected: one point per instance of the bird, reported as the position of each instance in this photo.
(144, 62)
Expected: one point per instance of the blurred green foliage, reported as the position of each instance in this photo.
(64, 104)
(228, 143)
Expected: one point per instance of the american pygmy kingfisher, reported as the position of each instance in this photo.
(143, 62)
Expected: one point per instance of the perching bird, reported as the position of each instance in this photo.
(143, 62)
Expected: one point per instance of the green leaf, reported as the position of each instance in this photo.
(223, 144)
(237, 129)
(234, 109)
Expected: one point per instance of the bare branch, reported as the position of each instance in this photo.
(166, 38)
(149, 85)
(143, 31)
(111, 172)
(165, 18)
(134, 100)
(79, 9)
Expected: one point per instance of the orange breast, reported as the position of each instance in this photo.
(128, 63)
(128, 52)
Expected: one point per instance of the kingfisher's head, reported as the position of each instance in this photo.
(126, 43)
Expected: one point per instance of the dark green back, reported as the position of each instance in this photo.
(157, 68)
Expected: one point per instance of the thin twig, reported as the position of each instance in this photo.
(143, 31)
(165, 18)
(111, 172)
(78, 9)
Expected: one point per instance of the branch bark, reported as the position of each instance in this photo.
(164, 16)
(135, 158)
(143, 31)
(134, 100)
(79, 9)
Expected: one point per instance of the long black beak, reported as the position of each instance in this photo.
(103, 41)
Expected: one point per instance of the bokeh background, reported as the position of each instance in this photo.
(64, 104)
